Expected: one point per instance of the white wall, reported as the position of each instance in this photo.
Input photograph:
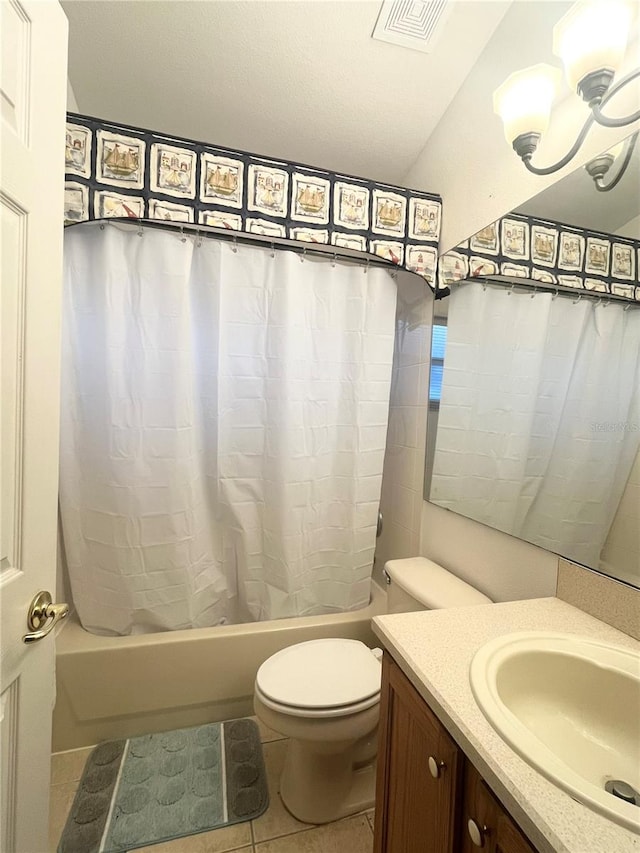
(72, 104)
(504, 568)
(467, 159)
(631, 228)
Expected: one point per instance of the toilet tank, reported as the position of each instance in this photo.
(417, 583)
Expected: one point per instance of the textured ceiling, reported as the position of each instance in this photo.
(298, 80)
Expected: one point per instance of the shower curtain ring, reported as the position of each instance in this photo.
(627, 306)
(303, 255)
(578, 299)
(366, 267)
(535, 290)
(273, 249)
(139, 229)
(555, 294)
(183, 239)
(333, 262)
(234, 247)
(511, 289)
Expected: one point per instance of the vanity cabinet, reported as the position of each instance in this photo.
(427, 791)
(485, 824)
(419, 772)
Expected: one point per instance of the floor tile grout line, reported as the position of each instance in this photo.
(87, 749)
(311, 826)
(306, 828)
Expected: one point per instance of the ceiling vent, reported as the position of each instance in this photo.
(415, 24)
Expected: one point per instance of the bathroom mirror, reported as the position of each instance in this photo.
(502, 447)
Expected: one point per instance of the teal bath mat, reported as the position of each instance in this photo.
(160, 787)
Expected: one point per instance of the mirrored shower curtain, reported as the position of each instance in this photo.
(224, 418)
(538, 423)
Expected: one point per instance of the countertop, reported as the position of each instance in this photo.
(434, 649)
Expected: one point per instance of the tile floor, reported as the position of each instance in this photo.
(275, 832)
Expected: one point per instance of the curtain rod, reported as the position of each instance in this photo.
(341, 253)
(532, 287)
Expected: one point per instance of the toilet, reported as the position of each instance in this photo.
(324, 695)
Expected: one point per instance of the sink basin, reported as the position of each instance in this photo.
(570, 706)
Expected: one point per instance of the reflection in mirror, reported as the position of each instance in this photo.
(534, 404)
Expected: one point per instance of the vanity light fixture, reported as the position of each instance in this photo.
(600, 165)
(590, 39)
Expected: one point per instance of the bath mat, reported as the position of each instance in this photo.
(163, 786)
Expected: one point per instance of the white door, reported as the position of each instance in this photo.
(32, 103)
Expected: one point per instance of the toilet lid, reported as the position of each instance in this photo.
(320, 674)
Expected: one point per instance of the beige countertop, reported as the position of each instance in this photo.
(434, 649)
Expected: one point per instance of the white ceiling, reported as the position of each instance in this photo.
(301, 80)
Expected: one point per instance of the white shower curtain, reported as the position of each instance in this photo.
(539, 419)
(224, 416)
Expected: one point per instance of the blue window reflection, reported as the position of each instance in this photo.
(438, 346)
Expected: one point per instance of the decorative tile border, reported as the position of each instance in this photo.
(115, 170)
(549, 252)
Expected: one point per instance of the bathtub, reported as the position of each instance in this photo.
(118, 687)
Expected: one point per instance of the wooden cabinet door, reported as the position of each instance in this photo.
(497, 833)
(415, 811)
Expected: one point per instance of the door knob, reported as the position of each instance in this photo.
(42, 612)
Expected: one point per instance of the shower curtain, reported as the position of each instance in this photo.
(224, 417)
(539, 421)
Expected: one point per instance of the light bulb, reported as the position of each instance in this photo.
(592, 36)
(524, 100)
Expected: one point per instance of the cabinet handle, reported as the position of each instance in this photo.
(477, 834)
(435, 767)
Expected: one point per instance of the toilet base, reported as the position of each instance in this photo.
(320, 788)
(330, 766)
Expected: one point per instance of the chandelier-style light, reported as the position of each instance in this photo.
(591, 40)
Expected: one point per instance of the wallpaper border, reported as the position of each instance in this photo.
(116, 170)
(547, 252)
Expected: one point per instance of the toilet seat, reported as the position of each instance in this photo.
(320, 678)
(317, 713)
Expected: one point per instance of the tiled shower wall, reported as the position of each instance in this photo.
(403, 473)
